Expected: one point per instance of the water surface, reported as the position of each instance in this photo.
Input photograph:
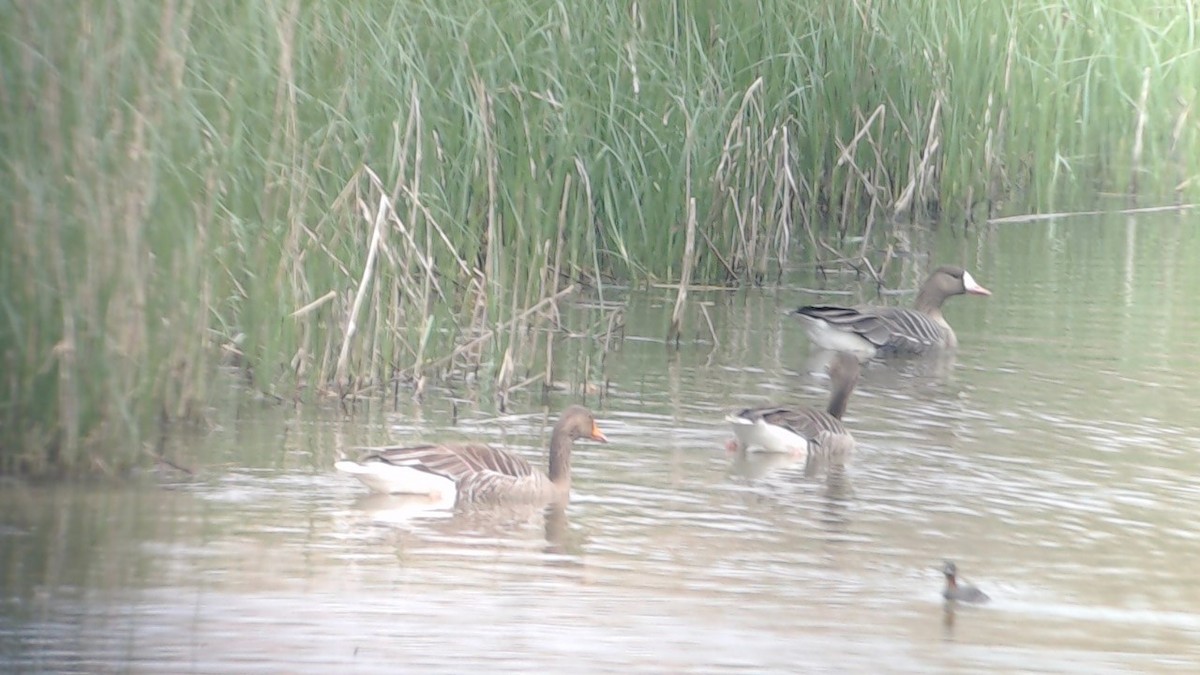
(1054, 460)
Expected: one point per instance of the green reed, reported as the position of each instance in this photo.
(193, 184)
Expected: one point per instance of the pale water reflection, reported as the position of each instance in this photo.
(1054, 461)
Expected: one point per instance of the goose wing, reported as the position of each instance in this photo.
(909, 330)
(868, 325)
(806, 422)
(890, 329)
(459, 463)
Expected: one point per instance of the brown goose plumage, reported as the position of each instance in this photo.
(892, 331)
(803, 429)
(477, 472)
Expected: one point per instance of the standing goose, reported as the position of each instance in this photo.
(803, 429)
(476, 472)
(892, 331)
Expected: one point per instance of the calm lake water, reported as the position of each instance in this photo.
(1054, 460)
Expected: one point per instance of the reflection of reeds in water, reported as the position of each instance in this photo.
(258, 191)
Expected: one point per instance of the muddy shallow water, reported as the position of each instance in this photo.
(1053, 459)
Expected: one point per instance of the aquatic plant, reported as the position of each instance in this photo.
(354, 198)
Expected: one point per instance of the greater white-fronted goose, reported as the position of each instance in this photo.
(799, 430)
(475, 472)
(892, 331)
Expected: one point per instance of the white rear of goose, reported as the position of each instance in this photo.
(476, 472)
(887, 331)
(823, 330)
(386, 478)
(802, 429)
(756, 433)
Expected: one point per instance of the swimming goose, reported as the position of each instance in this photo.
(802, 429)
(477, 472)
(956, 592)
(892, 331)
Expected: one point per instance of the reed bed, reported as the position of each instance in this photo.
(355, 199)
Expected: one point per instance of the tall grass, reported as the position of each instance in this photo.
(347, 198)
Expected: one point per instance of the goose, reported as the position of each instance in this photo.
(960, 592)
(797, 431)
(892, 331)
(474, 472)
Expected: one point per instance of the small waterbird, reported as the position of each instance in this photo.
(960, 592)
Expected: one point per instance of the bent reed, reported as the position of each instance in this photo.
(352, 199)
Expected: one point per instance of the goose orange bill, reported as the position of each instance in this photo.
(598, 435)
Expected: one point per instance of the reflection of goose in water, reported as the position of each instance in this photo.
(838, 493)
(434, 516)
(753, 466)
(933, 370)
(560, 540)
(801, 430)
(892, 331)
(507, 526)
(397, 509)
(780, 478)
(476, 473)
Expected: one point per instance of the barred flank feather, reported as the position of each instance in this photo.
(480, 472)
(475, 472)
(784, 429)
(892, 331)
(803, 421)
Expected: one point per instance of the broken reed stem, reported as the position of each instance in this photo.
(477, 342)
(728, 196)
(314, 304)
(556, 270)
(712, 331)
(507, 391)
(848, 149)
(689, 245)
(847, 157)
(1034, 217)
(724, 165)
(785, 191)
(308, 106)
(363, 283)
(424, 258)
(490, 162)
(916, 182)
(1176, 133)
(1138, 134)
(689, 254)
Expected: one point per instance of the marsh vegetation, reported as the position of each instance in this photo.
(353, 200)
